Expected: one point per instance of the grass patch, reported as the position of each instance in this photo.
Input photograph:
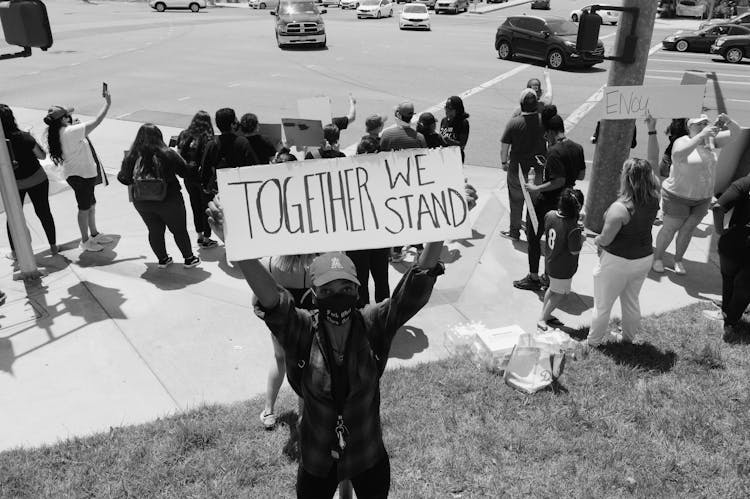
(668, 416)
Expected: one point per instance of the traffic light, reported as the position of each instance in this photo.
(25, 23)
(588, 31)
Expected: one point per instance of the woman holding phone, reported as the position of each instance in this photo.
(70, 148)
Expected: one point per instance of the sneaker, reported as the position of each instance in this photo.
(268, 419)
(616, 337)
(207, 242)
(90, 245)
(165, 262)
(101, 239)
(679, 268)
(528, 283)
(191, 262)
(511, 234)
(658, 266)
(713, 315)
(544, 279)
(397, 257)
(53, 249)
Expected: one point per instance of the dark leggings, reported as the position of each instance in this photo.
(375, 262)
(374, 483)
(39, 195)
(198, 204)
(534, 238)
(160, 215)
(735, 292)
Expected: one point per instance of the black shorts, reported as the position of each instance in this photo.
(84, 191)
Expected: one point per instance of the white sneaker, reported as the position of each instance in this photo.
(101, 239)
(90, 245)
(679, 268)
(658, 266)
(713, 315)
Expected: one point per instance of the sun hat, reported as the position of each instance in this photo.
(700, 119)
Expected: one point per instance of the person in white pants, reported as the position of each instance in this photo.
(625, 247)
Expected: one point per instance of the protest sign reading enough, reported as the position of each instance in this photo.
(365, 201)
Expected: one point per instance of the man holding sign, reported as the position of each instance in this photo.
(339, 353)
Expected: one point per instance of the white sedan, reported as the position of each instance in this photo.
(375, 8)
(162, 5)
(348, 4)
(608, 16)
(414, 16)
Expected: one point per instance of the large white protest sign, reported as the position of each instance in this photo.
(622, 103)
(315, 108)
(365, 201)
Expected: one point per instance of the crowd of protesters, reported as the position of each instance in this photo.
(318, 307)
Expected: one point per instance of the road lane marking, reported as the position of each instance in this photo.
(122, 116)
(680, 71)
(723, 82)
(183, 98)
(232, 85)
(678, 61)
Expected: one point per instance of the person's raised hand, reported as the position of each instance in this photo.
(107, 97)
(650, 122)
(215, 214)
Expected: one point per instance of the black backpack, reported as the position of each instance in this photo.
(191, 151)
(296, 360)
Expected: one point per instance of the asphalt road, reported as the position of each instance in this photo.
(164, 67)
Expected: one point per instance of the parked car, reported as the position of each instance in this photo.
(263, 4)
(540, 4)
(608, 16)
(375, 8)
(162, 5)
(430, 4)
(414, 16)
(496, 1)
(299, 22)
(732, 48)
(690, 8)
(741, 19)
(348, 4)
(454, 6)
(551, 39)
(702, 39)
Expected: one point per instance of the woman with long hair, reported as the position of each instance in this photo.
(70, 148)
(156, 160)
(191, 144)
(455, 126)
(625, 247)
(30, 176)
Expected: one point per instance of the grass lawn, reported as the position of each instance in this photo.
(666, 417)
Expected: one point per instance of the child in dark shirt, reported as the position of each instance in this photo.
(564, 240)
(427, 127)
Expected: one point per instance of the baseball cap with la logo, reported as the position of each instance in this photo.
(332, 266)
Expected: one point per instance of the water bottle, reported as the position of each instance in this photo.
(532, 175)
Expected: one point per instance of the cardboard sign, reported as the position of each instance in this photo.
(365, 201)
(271, 131)
(624, 103)
(301, 133)
(527, 199)
(315, 108)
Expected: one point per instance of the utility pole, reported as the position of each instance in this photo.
(613, 146)
(14, 214)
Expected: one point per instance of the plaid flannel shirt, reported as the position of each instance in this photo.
(364, 444)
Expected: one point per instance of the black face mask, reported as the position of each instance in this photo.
(337, 308)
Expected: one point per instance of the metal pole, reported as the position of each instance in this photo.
(613, 146)
(14, 214)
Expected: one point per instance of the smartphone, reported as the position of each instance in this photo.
(104, 89)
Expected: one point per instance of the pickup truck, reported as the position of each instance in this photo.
(299, 22)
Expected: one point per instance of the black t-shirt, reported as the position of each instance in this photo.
(434, 140)
(564, 240)
(456, 132)
(192, 149)
(235, 150)
(737, 196)
(564, 160)
(526, 138)
(263, 149)
(23, 144)
(342, 122)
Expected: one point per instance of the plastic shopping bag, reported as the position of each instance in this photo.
(533, 366)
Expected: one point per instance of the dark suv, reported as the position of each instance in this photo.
(549, 39)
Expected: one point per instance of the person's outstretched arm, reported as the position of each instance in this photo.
(256, 274)
(547, 96)
(726, 136)
(352, 114)
(652, 153)
(90, 126)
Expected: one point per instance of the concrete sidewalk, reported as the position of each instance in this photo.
(109, 339)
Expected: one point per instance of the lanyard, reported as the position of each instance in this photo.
(338, 375)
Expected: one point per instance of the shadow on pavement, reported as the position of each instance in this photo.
(576, 304)
(171, 280)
